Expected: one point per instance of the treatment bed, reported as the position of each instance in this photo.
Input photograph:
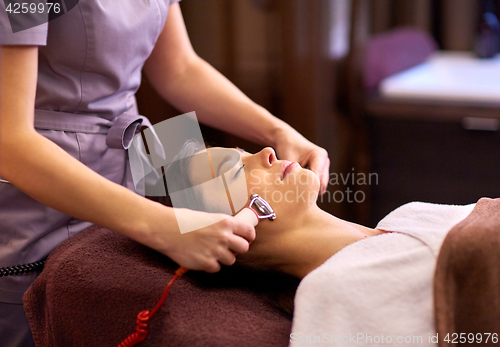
(96, 282)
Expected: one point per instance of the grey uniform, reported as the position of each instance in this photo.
(89, 68)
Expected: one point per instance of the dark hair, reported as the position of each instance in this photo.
(275, 287)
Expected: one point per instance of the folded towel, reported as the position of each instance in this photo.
(377, 291)
(467, 277)
(95, 283)
(427, 222)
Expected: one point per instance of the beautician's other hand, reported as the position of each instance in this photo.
(293, 146)
(206, 248)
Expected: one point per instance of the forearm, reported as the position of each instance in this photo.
(218, 102)
(48, 174)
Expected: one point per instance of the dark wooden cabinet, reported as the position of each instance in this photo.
(419, 156)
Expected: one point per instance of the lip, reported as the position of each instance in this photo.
(287, 167)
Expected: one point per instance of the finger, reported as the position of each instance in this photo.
(238, 245)
(211, 267)
(325, 175)
(317, 164)
(243, 229)
(227, 258)
(286, 154)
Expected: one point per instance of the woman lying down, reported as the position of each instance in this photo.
(359, 286)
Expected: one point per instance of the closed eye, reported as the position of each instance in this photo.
(239, 170)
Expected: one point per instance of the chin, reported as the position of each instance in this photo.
(307, 191)
(312, 188)
(312, 179)
(315, 180)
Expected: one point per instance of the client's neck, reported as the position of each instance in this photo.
(311, 239)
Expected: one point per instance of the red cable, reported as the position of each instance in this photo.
(141, 330)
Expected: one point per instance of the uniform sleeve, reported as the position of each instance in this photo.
(21, 29)
(174, 1)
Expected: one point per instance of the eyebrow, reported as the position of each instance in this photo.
(237, 172)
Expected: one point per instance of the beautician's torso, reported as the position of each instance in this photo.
(94, 55)
(90, 68)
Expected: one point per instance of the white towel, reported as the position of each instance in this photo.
(378, 291)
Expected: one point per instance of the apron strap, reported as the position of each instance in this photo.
(119, 131)
(123, 130)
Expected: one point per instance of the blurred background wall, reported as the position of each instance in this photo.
(290, 57)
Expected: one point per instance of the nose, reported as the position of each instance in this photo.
(267, 157)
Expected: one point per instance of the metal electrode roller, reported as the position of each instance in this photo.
(257, 209)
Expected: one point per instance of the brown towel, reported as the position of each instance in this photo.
(467, 277)
(94, 285)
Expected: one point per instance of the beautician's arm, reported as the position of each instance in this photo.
(48, 174)
(189, 83)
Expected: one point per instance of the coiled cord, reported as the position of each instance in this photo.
(141, 330)
(22, 269)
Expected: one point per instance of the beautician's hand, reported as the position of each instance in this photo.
(295, 147)
(205, 249)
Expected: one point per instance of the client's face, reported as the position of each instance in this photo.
(287, 187)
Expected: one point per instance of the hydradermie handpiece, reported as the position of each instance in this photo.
(263, 207)
(256, 210)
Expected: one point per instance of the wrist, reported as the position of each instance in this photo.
(285, 135)
(154, 227)
(278, 132)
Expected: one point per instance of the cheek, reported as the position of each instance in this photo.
(214, 198)
(298, 190)
(299, 180)
(258, 182)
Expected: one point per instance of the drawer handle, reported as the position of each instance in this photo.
(485, 124)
